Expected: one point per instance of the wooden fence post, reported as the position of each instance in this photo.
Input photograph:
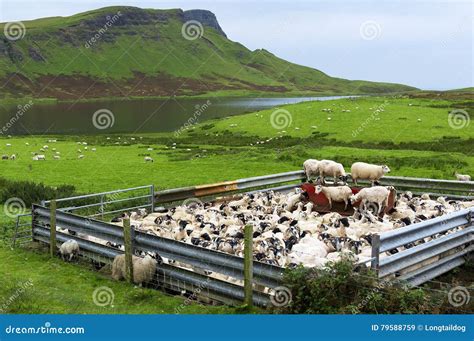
(248, 265)
(52, 230)
(127, 239)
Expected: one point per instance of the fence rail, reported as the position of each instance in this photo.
(423, 262)
(194, 256)
(448, 188)
(415, 265)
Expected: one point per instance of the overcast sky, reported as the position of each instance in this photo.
(427, 44)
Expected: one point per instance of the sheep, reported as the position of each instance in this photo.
(148, 159)
(80, 156)
(70, 249)
(39, 157)
(56, 157)
(377, 194)
(143, 268)
(462, 177)
(311, 168)
(332, 168)
(13, 157)
(366, 171)
(339, 193)
(4, 157)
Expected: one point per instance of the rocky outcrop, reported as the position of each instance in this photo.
(207, 18)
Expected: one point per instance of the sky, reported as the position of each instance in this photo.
(426, 44)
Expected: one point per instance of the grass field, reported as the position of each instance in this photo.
(413, 136)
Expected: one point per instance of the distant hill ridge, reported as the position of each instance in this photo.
(128, 51)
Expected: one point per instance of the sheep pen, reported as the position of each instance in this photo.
(288, 232)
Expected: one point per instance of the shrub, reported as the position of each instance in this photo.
(338, 289)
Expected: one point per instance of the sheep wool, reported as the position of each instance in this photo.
(143, 268)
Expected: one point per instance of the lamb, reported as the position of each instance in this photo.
(311, 168)
(148, 159)
(143, 268)
(70, 249)
(377, 194)
(339, 193)
(462, 177)
(366, 171)
(332, 168)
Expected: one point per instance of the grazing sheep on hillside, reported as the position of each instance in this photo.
(462, 177)
(377, 194)
(80, 156)
(367, 171)
(69, 249)
(148, 159)
(13, 157)
(4, 157)
(143, 268)
(311, 168)
(332, 168)
(339, 193)
(56, 157)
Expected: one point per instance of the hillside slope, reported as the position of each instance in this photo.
(128, 51)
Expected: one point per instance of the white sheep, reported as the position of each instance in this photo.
(143, 268)
(377, 194)
(80, 156)
(69, 249)
(39, 157)
(148, 159)
(462, 177)
(13, 157)
(367, 171)
(338, 194)
(56, 157)
(311, 168)
(332, 168)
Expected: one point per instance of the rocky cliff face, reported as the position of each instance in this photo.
(205, 17)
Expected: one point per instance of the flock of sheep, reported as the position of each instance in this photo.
(287, 229)
(55, 154)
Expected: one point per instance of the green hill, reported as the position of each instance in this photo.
(128, 51)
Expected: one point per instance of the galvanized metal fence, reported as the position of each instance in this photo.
(414, 265)
(195, 257)
(452, 238)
